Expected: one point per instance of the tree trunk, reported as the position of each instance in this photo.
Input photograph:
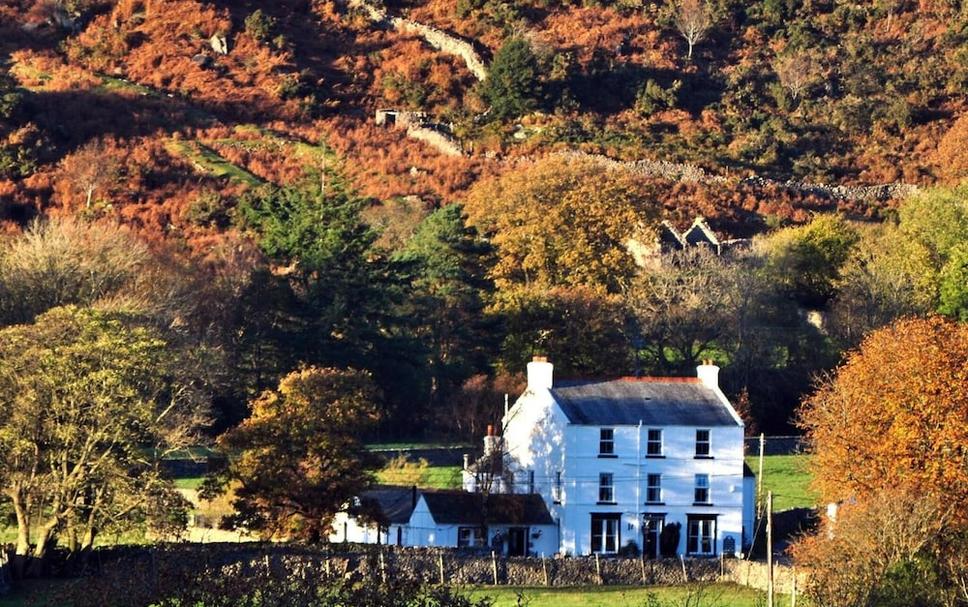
(36, 566)
(23, 535)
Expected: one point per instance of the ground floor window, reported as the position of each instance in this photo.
(701, 535)
(605, 533)
(471, 537)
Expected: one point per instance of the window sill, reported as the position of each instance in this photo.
(600, 503)
(704, 504)
(607, 456)
(655, 503)
(655, 457)
(704, 457)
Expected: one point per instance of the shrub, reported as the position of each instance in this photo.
(259, 25)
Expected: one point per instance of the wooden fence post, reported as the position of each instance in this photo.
(793, 590)
(440, 565)
(383, 567)
(598, 569)
(642, 567)
(494, 566)
(685, 576)
(544, 568)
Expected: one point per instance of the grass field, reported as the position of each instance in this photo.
(788, 478)
(435, 477)
(717, 595)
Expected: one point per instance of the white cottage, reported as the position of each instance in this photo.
(656, 462)
(511, 524)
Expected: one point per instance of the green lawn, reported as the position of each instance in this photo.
(787, 477)
(435, 477)
(716, 595)
(192, 483)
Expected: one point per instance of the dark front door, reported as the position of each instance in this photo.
(651, 528)
(518, 541)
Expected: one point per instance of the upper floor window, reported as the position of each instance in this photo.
(702, 443)
(606, 488)
(653, 489)
(653, 445)
(556, 490)
(702, 489)
(606, 441)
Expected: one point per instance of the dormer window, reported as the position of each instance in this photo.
(606, 442)
(703, 444)
(653, 445)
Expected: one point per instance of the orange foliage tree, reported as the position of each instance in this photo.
(894, 415)
(952, 154)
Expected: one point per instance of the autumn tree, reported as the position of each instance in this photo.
(564, 222)
(897, 549)
(693, 19)
(581, 330)
(513, 84)
(91, 169)
(952, 154)
(299, 458)
(906, 387)
(64, 261)
(796, 72)
(89, 403)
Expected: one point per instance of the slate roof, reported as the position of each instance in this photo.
(393, 504)
(655, 401)
(463, 507)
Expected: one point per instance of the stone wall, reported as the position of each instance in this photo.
(443, 142)
(439, 39)
(428, 565)
(675, 171)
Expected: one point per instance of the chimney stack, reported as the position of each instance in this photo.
(540, 373)
(492, 442)
(708, 373)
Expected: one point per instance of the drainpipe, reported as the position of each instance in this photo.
(638, 485)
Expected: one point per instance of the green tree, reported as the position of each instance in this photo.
(329, 297)
(513, 85)
(450, 286)
(299, 457)
(887, 276)
(953, 287)
(88, 405)
(806, 261)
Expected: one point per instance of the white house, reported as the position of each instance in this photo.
(381, 515)
(630, 460)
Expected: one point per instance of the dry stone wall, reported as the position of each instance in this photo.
(427, 565)
(439, 39)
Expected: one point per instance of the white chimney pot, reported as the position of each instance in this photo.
(540, 374)
(708, 374)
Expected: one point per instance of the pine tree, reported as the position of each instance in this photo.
(513, 86)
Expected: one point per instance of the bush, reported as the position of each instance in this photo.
(259, 25)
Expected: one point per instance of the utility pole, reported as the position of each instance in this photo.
(759, 477)
(769, 549)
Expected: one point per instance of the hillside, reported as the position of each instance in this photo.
(185, 128)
